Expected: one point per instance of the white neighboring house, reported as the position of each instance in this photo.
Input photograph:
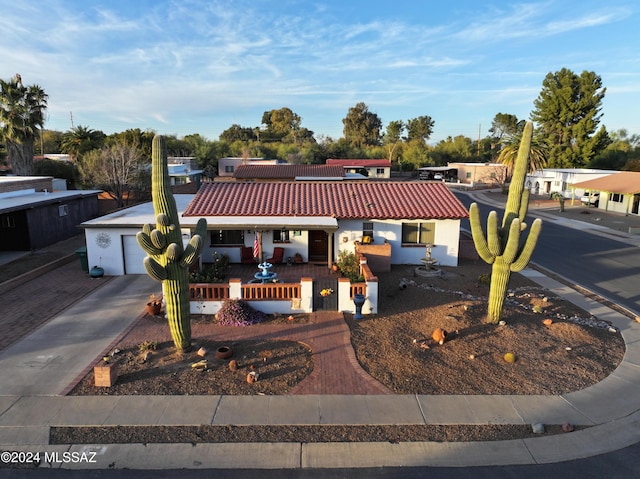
(558, 180)
(314, 220)
(619, 192)
(227, 166)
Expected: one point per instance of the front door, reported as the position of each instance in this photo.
(318, 245)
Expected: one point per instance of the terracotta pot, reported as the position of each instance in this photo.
(224, 352)
(154, 308)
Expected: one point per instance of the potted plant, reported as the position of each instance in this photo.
(154, 306)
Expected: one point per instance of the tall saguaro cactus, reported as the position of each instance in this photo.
(501, 246)
(168, 261)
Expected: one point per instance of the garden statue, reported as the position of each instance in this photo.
(168, 261)
(501, 247)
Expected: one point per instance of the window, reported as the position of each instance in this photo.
(228, 168)
(468, 174)
(616, 197)
(367, 231)
(63, 210)
(379, 171)
(7, 222)
(418, 233)
(227, 237)
(280, 236)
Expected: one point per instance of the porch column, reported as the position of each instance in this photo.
(329, 248)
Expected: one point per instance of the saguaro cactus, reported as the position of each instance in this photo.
(501, 246)
(168, 261)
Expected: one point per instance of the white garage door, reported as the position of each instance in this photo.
(133, 255)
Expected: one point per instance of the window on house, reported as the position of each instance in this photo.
(280, 236)
(63, 210)
(418, 233)
(367, 231)
(380, 171)
(616, 198)
(7, 222)
(227, 237)
(468, 175)
(228, 168)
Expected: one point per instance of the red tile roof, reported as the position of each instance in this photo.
(360, 162)
(342, 200)
(288, 171)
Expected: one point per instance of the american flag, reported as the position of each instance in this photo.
(256, 245)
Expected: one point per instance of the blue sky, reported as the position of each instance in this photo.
(199, 66)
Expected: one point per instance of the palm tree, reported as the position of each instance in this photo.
(80, 140)
(509, 153)
(21, 114)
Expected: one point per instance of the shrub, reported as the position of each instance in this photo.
(235, 312)
(349, 266)
(484, 279)
(213, 273)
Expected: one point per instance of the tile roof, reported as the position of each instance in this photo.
(360, 162)
(625, 182)
(342, 200)
(288, 171)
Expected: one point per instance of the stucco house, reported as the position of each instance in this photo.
(374, 168)
(559, 180)
(619, 192)
(315, 220)
(227, 166)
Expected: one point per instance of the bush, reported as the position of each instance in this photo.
(235, 312)
(349, 266)
(213, 273)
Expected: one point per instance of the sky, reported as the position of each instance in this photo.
(180, 67)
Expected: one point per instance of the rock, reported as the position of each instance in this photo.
(202, 352)
(566, 427)
(233, 365)
(537, 428)
(439, 335)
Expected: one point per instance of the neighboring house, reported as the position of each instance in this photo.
(373, 168)
(619, 192)
(227, 166)
(182, 174)
(438, 173)
(288, 172)
(558, 180)
(316, 220)
(34, 215)
(473, 174)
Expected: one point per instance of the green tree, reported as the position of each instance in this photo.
(567, 112)
(392, 139)
(361, 126)
(21, 114)
(537, 159)
(118, 169)
(420, 128)
(49, 141)
(80, 140)
(238, 133)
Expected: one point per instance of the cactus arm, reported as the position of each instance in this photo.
(479, 239)
(155, 269)
(493, 234)
(158, 239)
(192, 251)
(513, 242)
(529, 246)
(146, 244)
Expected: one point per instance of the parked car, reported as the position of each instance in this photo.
(590, 199)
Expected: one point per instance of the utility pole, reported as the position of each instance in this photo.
(71, 115)
(479, 127)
